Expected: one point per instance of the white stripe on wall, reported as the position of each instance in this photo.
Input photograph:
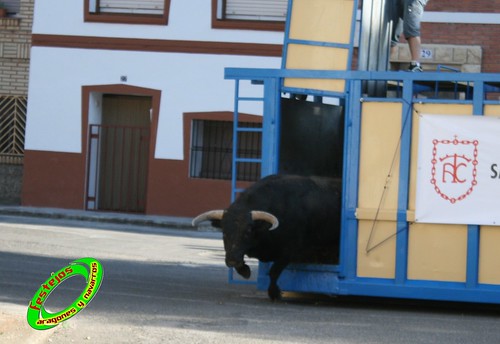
(462, 17)
(457, 17)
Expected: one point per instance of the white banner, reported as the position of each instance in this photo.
(458, 173)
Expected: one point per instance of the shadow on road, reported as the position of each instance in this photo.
(120, 227)
(147, 288)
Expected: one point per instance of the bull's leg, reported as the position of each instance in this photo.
(243, 270)
(274, 291)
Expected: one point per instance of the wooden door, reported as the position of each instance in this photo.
(124, 153)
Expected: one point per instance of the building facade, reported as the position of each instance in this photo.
(128, 108)
(15, 42)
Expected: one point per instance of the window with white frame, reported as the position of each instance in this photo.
(257, 10)
(148, 7)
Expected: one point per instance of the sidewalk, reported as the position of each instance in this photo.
(99, 216)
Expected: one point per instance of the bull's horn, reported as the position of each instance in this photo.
(265, 216)
(207, 216)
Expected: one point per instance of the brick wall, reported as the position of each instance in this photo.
(487, 6)
(485, 36)
(466, 58)
(15, 42)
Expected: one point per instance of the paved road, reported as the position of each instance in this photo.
(169, 286)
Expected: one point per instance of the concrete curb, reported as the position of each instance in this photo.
(106, 217)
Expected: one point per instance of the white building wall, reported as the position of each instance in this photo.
(188, 20)
(188, 82)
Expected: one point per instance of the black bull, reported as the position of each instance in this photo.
(282, 219)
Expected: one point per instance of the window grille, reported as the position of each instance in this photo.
(12, 128)
(212, 150)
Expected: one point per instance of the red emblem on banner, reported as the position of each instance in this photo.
(454, 168)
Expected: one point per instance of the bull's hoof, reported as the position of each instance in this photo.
(274, 292)
(244, 271)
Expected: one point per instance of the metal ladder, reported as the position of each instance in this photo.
(270, 128)
(236, 159)
(236, 130)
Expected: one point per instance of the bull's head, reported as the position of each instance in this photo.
(238, 233)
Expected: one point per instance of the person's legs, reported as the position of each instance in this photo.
(414, 44)
(413, 12)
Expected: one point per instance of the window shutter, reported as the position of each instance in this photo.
(132, 6)
(274, 10)
(13, 6)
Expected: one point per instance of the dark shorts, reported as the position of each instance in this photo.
(406, 16)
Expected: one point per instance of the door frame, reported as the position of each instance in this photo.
(119, 89)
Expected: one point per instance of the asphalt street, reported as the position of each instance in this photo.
(166, 285)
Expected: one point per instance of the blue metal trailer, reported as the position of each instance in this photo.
(385, 250)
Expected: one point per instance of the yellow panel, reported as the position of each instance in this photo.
(492, 110)
(322, 20)
(316, 58)
(437, 252)
(438, 109)
(379, 156)
(489, 255)
(377, 204)
(379, 261)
